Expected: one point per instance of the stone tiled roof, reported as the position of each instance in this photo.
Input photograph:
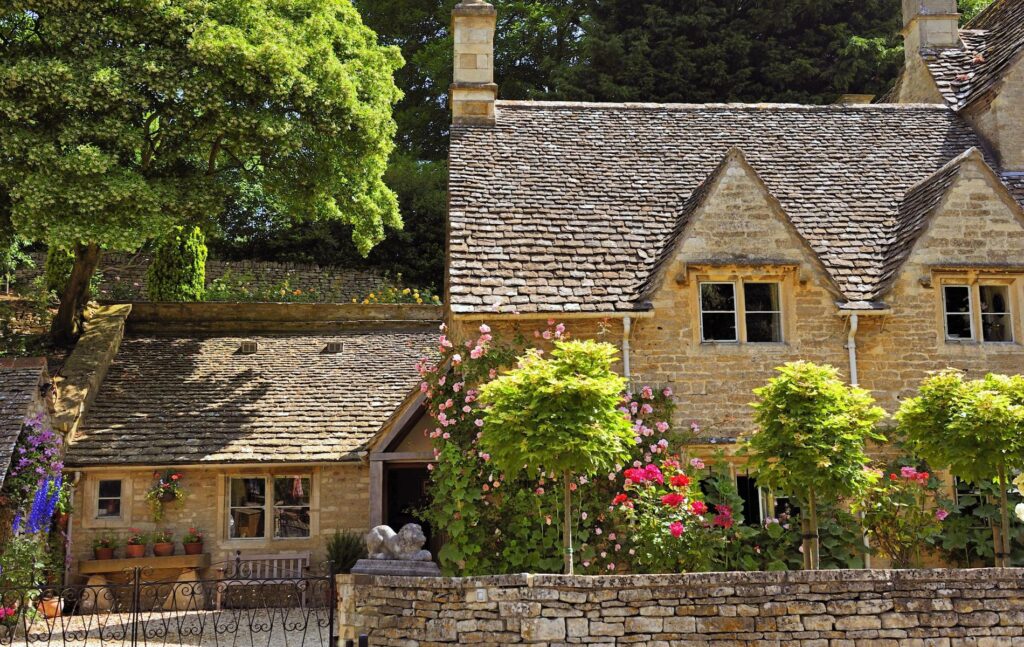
(196, 399)
(992, 41)
(19, 386)
(565, 206)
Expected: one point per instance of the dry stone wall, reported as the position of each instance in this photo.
(925, 608)
(124, 277)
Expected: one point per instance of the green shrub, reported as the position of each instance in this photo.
(57, 270)
(344, 549)
(178, 270)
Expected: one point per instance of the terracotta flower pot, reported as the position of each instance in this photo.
(195, 548)
(135, 550)
(50, 607)
(163, 550)
(104, 553)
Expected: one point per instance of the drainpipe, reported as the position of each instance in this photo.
(851, 346)
(627, 326)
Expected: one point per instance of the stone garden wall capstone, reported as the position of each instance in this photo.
(920, 608)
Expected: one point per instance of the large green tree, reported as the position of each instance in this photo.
(807, 51)
(122, 119)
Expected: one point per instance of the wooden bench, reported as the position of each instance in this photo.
(252, 569)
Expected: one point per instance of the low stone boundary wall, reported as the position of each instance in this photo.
(923, 608)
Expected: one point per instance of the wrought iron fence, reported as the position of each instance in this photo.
(234, 609)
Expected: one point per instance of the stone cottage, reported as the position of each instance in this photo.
(715, 242)
(265, 410)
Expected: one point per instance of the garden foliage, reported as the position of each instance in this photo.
(810, 443)
(178, 269)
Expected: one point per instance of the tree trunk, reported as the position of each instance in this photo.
(805, 536)
(67, 324)
(567, 524)
(1003, 556)
(815, 545)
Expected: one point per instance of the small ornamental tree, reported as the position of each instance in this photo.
(178, 270)
(975, 428)
(811, 441)
(560, 416)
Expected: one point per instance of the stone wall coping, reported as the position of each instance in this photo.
(217, 316)
(690, 580)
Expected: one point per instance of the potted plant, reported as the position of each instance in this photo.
(50, 606)
(103, 546)
(135, 545)
(166, 488)
(163, 543)
(193, 541)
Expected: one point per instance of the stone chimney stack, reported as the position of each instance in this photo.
(473, 91)
(930, 24)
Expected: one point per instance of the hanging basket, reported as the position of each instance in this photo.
(167, 497)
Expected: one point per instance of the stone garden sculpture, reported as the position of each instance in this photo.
(397, 553)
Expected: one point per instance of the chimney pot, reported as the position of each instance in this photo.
(473, 91)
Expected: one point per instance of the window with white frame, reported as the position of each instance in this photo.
(108, 499)
(978, 312)
(750, 312)
(283, 500)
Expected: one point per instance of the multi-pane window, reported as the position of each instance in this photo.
(996, 324)
(291, 506)
(994, 321)
(752, 313)
(959, 318)
(108, 500)
(288, 507)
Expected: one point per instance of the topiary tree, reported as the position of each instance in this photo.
(121, 120)
(811, 440)
(57, 269)
(558, 415)
(178, 270)
(975, 428)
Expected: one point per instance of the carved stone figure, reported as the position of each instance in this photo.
(406, 545)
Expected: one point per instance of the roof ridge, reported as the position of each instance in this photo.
(759, 107)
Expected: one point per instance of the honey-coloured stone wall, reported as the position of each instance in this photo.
(925, 608)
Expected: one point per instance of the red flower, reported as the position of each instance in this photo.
(635, 475)
(652, 473)
(676, 529)
(620, 499)
(680, 480)
(892, 477)
(698, 507)
(672, 500)
(175, 477)
(724, 516)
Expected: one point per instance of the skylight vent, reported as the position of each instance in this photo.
(248, 347)
(335, 347)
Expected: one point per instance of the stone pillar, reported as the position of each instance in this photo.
(350, 625)
(473, 91)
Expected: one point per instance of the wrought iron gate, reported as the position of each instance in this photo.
(235, 610)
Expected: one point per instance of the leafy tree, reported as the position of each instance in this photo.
(122, 120)
(971, 8)
(811, 440)
(57, 269)
(973, 427)
(178, 270)
(558, 415)
(807, 51)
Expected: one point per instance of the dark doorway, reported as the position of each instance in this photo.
(406, 488)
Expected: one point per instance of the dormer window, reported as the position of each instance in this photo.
(740, 311)
(979, 312)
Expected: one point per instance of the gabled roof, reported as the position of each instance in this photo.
(19, 388)
(194, 399)
(992, 41)
(669, 248)
(566, 207)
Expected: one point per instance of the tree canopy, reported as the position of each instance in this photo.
(124, 119)
(602, 50)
